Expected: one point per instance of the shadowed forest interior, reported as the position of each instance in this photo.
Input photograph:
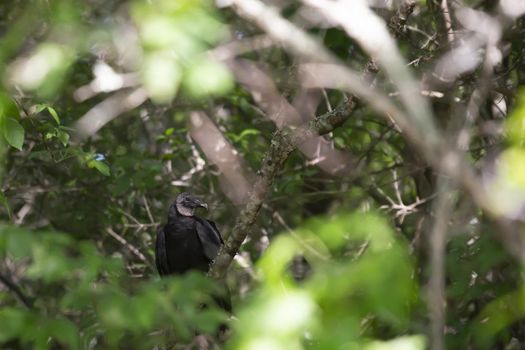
(262, 174)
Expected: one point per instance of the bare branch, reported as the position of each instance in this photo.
(424, 136)
(128, 245)
(109, 109)
(437, 244)
(282, 113)
(284, 141)
(28, 302)
(234, 177)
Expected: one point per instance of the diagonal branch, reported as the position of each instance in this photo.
(285, 141)
(27, 301)
(423, 135)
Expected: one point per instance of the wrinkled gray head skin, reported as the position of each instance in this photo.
(186, 204)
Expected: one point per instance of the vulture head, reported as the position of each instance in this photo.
(186, 203)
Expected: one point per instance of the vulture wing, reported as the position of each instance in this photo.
(209, 236)
(161, 259)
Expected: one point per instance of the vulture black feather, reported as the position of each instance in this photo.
(187, 242)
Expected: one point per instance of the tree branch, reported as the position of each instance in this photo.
(28, 302)
(416, 123)
(285, 141)
(437, 243)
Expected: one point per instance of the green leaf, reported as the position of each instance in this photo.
(161, 77)
(410, 342)
(102, 167)
(248, 132)
(64, 331)
(515, 123)
(46, 76)
(14, 322)
(54, 114)
(39, 108)
(49, 267)
(7, 106)
(63, 137)
(14, 133)
(19, 243)
(122, 185)
(5, 203)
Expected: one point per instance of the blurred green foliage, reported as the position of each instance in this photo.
(334, 262)
(343, 291)
(85, 297)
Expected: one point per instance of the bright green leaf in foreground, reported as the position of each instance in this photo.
(515, 124)
(415, 342)
(13, 132)
(161, 76)
(44, 69)
(207, 77)
(341, 291)
(102, 167)
(63, 137)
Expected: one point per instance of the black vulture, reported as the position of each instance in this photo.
(187, 242)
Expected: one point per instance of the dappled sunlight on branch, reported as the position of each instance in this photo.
(234, 177)
(107, 110)
(318, 150)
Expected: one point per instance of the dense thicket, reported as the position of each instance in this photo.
(363, 161)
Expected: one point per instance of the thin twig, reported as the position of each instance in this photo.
(147, 209)
(28, 302)
(128, 245)
(301, 241)
(448, 21)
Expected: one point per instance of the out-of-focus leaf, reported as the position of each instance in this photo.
(49, 263)
(44, 69)
(113, 311)
(40, 107)
(161, 77)
(64, 331)
(19, 242)
(102, 167)
(14, 322)
(515, 123)
(63, 137)
(513, 163)
(278, 318)
(507, 187)
(248, 132)
(343, 291)
(122, 184)
(497, 315)
(8, 107)
(5, 203)
(412, 342)
(13, 133)
(207, 77)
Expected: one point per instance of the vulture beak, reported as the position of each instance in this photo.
(200, 203)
